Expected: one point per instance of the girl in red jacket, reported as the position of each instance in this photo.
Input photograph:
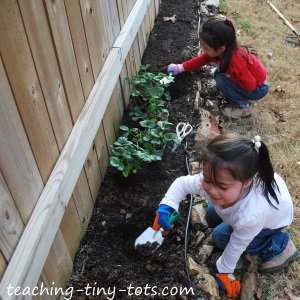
(240, 76)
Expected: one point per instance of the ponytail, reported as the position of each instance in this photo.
(266, 174)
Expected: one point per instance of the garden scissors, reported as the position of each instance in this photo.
(182, 130)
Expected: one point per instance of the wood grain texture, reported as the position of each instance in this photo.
(11, 225)
(43, 53)
(96, 36)
(21, 175)
(27, 92)
(66, 55)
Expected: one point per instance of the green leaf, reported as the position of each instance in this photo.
(147, 123)
(114, 161)
(124, 128)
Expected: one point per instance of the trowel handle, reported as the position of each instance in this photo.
(171, 73)
(174, 216)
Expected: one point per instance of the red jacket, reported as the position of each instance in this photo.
(244, 68)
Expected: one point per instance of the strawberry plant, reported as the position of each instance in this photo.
(146, 142)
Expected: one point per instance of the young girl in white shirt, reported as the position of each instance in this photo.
(249, 205)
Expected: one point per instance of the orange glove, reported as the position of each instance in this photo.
(229, 283)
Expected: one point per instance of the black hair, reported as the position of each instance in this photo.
(237, 154)
(219, 31)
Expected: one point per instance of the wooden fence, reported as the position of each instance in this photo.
(63, 65)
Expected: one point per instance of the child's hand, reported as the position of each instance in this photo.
(228, 283)
(174, 69)
(164, 212)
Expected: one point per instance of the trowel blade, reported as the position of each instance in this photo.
(150, 236)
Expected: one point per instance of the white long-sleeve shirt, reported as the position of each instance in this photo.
(247, 217)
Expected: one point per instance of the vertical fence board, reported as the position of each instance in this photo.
(152, 13)
(80, 46)
(157, 4)
(98, 44)
(83, 199)
(71, 228)
(112, 24)
(102, 150)
(85, 69)
(58, 266)
(43, 53)
(92, 170)
(95, 33)
(21, 174)
(66, 55)
(11, 225)
(16, 57)
(122, 10)
(3, 265)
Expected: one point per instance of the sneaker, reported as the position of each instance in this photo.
(235, 112)
(280, 261)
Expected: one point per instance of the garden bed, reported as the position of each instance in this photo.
(125, 208)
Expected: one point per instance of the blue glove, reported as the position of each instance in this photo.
(164, 212)
(174, 69)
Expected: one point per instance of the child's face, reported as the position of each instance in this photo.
(211, 52)
(226, 191)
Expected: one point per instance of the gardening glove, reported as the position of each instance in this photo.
(174, 69)
(163, 214)
(229, 284)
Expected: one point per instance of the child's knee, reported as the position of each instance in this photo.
(220, 238)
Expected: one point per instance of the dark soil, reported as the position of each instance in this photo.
(107, 258)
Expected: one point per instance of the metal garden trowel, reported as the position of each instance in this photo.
(168, 79)
(152, 238)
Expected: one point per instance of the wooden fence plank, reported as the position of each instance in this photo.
(16, 57)
(123, 13)
(95, 33)
(124, 73)
(30, 254)
(22, 176)
(93, 173)
(83, 83)
(80, 46)
(66, 55)
(11, 225)
(3, 265)
(83, 199)
(157, 4)
(102, 150)
(71, 228)
(152, 14)
(26, 187)
(87, 80)
(58, 266)
(111, 19)
(43, 52)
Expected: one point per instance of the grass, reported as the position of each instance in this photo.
(277, 117)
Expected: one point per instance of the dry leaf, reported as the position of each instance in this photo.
(173, 18)
(259, 294)
(289, 292)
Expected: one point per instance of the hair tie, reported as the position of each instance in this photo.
(256, 142)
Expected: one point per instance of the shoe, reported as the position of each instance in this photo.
(280, 261)
(235, 112)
